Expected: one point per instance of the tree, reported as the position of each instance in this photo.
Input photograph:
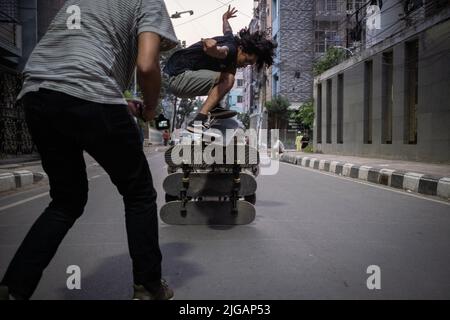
(278, 109)
(244, 117)
(305, 116)
(332, 58)
(185, 108)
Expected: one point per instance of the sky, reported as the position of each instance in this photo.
(207, 19)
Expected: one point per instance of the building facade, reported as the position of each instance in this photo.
(22, 24)
(236, 94)
(391, 99)
(304, 30)
(293, 29)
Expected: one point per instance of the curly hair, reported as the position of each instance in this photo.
(257, 43)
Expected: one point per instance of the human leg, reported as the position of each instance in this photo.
(62, 160)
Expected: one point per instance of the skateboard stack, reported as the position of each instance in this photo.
(210, 186)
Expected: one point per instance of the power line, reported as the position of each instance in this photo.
(205, 14)
(356, 11)
(389, 28)
(384, 11)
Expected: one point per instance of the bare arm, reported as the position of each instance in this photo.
(148, 71)
(211, 48)
(231, 13)
(226, 27)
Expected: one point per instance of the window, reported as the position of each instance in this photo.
(368, 72)
(340, 109)
(353, 5)
(275, 85)
(320, 41)
(274, 9)
(320, 5)
(331, 5)
(387, 78)
(326, 5)
(240, 83)
(411, 91)
(326, 35)
(329, 108)
(319, 113)
(240, 99)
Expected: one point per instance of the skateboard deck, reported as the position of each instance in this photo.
(209, 184)
(243, 155)
(207, 213)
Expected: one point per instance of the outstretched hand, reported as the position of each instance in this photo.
(231, 13)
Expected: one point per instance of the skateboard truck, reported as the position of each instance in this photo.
(236, 186)
(185, 187)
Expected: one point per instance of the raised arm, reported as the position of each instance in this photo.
(231, 13)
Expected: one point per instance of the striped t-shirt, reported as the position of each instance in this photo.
(90, 48)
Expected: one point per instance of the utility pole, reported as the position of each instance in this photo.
(174, 115)
(262, 120)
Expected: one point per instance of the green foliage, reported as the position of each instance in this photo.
(309, 148)
(127, 94)
(332, 58)
(185, 108)
(245, 119)
(278, 104)
(278, 109)
(305, 115)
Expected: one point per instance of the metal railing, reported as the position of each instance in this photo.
(14, 136)
(9, 28)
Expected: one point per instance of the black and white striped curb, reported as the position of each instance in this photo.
(19, 179)
(410, 181)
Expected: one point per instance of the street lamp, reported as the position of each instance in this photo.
(177, 14)
(344, 48)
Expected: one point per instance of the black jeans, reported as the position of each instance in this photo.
(62, 128)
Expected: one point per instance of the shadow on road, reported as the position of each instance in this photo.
(112, 279)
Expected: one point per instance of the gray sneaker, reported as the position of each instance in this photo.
(197, 126)
(158, 291)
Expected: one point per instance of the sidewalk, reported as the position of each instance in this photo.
(420, 177)
(22, 173)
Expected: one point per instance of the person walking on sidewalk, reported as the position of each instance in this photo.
(208, 67)
(73, 101)
(166, 137)
(299, 141)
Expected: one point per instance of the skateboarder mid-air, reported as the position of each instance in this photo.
(207, 68)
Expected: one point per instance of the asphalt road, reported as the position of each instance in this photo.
(314, 237)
